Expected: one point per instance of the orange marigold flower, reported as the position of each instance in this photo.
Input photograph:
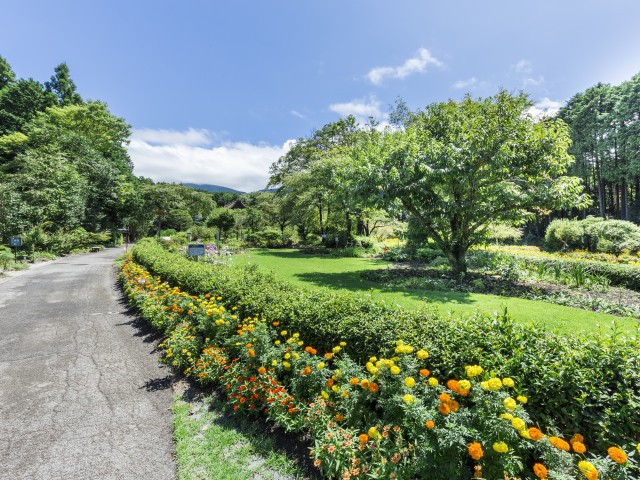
(364, 383)
(364, 438)
(328, 356)
(540, 470)
(310, 350)
(424, 372)
(444, 409)
(252, 353)
(275, 324)
(429, 424)
(535, 434)
(306, 370)
(373, 387)
(339, 417)
(577, 438)
(559, 443)
(617, 455)
(453, 385)
(354, 381)
(444, 397)
(262, 370)
(475, 451)
(578, 447)
(454, 406)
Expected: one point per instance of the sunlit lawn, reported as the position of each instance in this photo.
(312, 270)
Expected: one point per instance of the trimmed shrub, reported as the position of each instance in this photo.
(564, 234)
(585, 384)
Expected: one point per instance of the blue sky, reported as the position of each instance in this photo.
(215, 90)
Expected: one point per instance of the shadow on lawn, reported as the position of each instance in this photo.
(354, 282)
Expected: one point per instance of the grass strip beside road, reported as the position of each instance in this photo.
(325, 271)
(211, 444)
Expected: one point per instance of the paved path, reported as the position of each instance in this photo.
(82, 395)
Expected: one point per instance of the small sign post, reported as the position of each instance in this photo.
(15, 242)
(195, 250)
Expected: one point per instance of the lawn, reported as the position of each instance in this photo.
(313, 270)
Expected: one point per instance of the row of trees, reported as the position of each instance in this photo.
(605, 128)
(456, 168)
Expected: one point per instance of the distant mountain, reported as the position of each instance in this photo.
(211, 188)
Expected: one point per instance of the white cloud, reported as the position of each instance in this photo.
(535, 82)
(523, 66)
(415, 64)
(295, 113)
(545, 108)
(362, 109)
(172, 137)
(469, 83)
(188, 157)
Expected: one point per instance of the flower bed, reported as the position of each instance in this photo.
(389, 418)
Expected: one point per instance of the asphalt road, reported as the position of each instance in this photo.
(82, 395)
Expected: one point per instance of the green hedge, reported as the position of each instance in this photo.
(579, 384)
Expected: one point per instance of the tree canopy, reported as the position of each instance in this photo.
(459, 166)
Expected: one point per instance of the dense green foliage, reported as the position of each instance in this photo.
(593, 234)
(63, 161)
(605, 130)
(580, 384)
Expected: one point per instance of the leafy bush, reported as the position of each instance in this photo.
(501, 233)
(268, 239)
(569, 380)
(594, 234)
(564, 235)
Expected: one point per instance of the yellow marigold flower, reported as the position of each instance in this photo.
(433, 382)
(422, 354)
(506, 416)
(300, 343)
(518, 424)
(283, 333)
(508, 382)
(373, 433)
(408, 398)
(473, 370)
(287, 356)
(617, 455)
(509, 404)
(494, 383)
(336, 349)
(295, 355)
(296, 335)
(320, 365)
(395, 370)
(343, 344)
(588, 470)
(336, 389)
(522, 399)
(364, 383)
(286, 364)
(484, 385)
(501, 447)
(325, 395)
(274, 363)
(410, 382)
(464, 385)
(525, 434)
(373, 359)
(475, 451)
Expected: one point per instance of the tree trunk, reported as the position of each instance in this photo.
(457, 259)
(600, 188)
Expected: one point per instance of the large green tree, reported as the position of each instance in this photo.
(459, 166)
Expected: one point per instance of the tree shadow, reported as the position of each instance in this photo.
(354, 282)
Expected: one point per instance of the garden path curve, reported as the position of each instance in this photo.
(82, 395)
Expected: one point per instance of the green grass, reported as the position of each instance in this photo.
(213, 445)
(313, 270)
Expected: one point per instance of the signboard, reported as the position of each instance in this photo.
(195, 249)
(15, 241)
